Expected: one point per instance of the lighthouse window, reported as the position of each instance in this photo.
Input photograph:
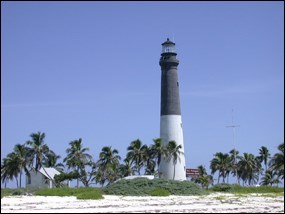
(177, 84)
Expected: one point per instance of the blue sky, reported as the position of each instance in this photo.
(90, 70)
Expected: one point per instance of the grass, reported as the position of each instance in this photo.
(94, 195)
(237, 189)
(18, 191)
(160, 192)
(80, 193)
(146, 187)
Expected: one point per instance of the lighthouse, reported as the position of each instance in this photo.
(170, 113)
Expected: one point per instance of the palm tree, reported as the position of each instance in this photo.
(37, 151)
(126, 169)
(14, 164)
(222, 163)
(277, 161)
(234, 157)
(135, 154)
(5, 174)
(77, 158)
(203, 178)
(109, 156)
(51, 161)
(157, 151)
(10, 168)
(21, 154)
(148, 159)
(202, 170)
(269, 178)
(264, 156)
(173, 151)
(108, 164)
(249, 168)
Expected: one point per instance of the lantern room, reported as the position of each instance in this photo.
(168, 47)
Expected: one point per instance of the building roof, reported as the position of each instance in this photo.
(51, 172)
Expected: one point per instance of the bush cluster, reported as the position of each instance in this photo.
(144, 187)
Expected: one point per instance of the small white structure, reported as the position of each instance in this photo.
(150, 177)
(43, 178)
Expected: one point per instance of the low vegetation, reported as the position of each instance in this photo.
(80, 193)
(160, 192)
(145, 187)
(17, 191)
(237, 189)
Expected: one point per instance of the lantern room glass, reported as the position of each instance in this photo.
(168, 48)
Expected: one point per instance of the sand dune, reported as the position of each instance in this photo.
(215, 202)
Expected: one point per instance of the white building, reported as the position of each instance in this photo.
(40, 179)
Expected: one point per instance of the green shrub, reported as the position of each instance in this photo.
(144, 187)
(160, 192)
(17, 192)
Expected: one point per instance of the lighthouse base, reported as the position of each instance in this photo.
(171, 130)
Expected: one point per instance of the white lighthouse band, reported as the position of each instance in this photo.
(171, 130)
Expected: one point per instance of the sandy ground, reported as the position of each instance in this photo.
(213, 203)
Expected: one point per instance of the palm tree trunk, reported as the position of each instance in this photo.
(77, 184)
(17, 182)
(174, 172)
(20, 179)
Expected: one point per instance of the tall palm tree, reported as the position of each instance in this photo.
(10, 168)
(264, 155)
(277, 161)
(222, 163)
(14, 164)
(77, 156)
(234, 157)
(5, 175)
(109, 156)
(148, 159)
(37, 151)
(21, 154)
(108, 164)
(249, 167)
(157, 150)
(173, 151)
(135, 154)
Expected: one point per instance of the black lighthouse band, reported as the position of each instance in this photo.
(170, 103)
